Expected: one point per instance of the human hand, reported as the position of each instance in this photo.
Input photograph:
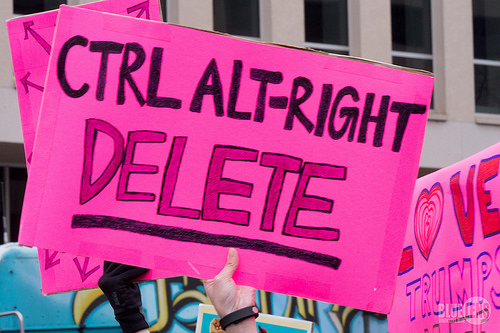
(124, 295)
(227, 296)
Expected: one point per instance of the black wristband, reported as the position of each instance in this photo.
(239, 315)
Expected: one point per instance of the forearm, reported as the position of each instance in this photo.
(124, 296)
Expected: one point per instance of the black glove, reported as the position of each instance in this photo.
(124, 295)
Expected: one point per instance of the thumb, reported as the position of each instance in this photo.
(231, 264)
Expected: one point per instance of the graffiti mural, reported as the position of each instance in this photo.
(171, 305)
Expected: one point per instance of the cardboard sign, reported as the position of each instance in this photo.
(30, 40)
(62, 272)
(209, 322)
(160, 146)
(449, 273)
(30, 43)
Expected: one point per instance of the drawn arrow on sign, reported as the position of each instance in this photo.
(143, 7)
(49, 259)
(83, 271)
(27, 83)
(38, 38)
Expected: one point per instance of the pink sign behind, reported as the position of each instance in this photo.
(62, 272)
(450, 267)
(30, 43)
(30, 40)
(164, 145)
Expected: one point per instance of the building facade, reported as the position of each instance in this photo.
(459, 41)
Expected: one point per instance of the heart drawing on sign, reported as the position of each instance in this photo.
(428, 215)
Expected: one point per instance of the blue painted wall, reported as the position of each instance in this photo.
(171, 305)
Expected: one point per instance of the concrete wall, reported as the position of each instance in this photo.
(454, 130)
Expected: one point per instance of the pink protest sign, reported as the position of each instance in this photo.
(30, 40)
(449, 272)
(164, 145)
(62, 272)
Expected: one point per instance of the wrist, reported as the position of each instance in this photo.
(238, 316)
(248, 325)
(133, 320)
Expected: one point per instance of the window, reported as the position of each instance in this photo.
(12, 185)
(163, 8)
(35, 6)
(487, 55)
(411, 33)
(326, 25)
(237, 17)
